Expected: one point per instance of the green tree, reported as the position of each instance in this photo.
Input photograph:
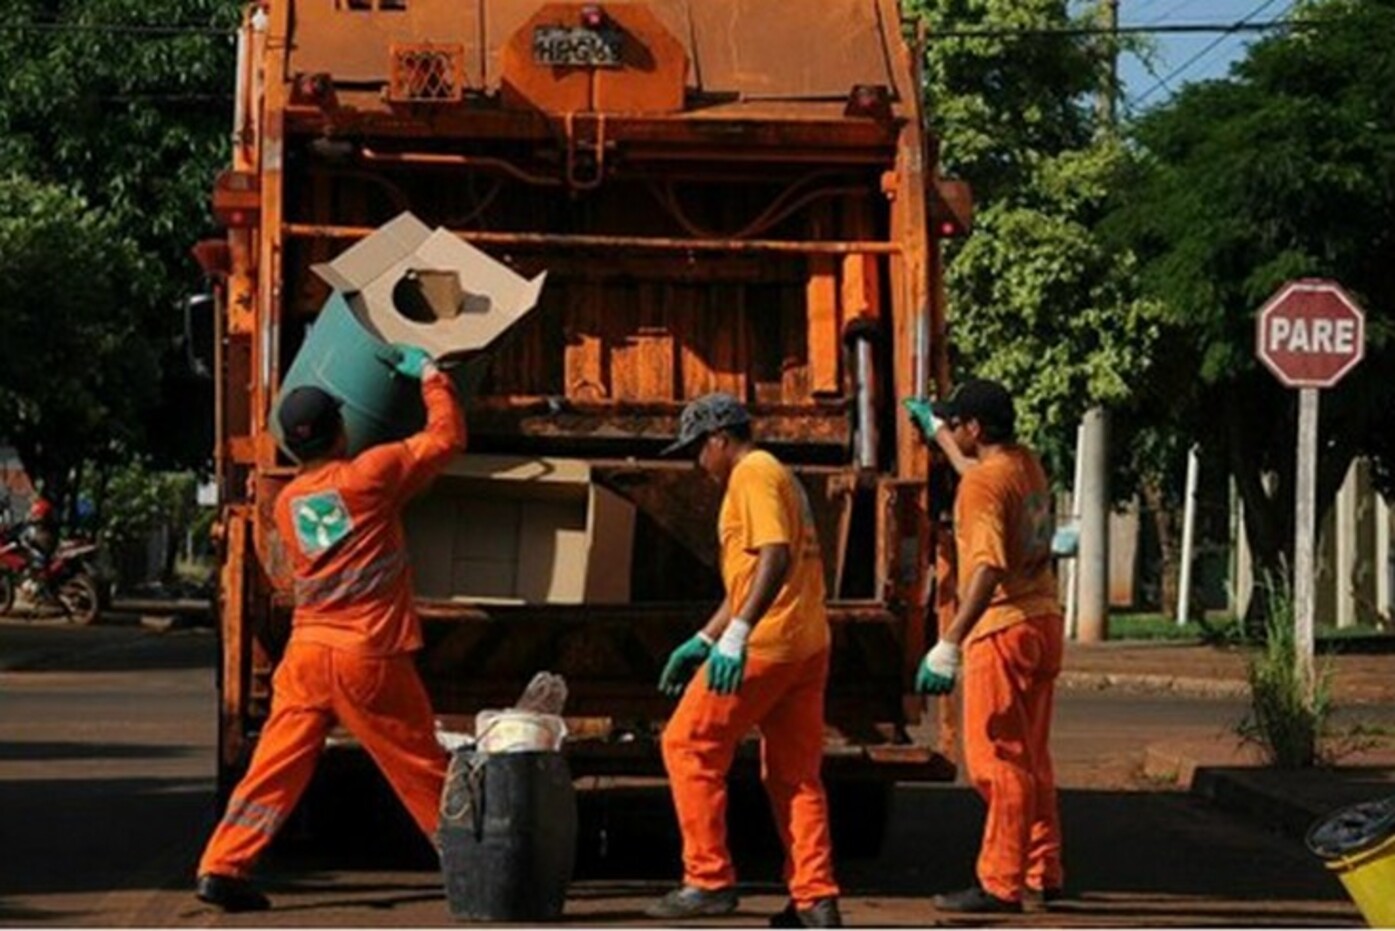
(74, 370)
(132, 124)
(1036, 298)
(1285, 169)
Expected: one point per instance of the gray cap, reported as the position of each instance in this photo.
(707, 414)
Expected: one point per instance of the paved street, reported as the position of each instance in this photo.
(106, 778)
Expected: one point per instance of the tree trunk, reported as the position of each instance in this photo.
(1165, 524)
(1268, 522)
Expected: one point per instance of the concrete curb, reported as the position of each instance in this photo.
(1190, 686)
(1289, 802)
(1239, 792)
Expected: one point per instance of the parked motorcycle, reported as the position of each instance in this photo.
(68, 581)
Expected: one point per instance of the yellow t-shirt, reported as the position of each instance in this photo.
(1002, 518)
(766, 504)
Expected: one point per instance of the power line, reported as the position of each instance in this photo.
(1176, 8)
(970, 32)
(121, 29)
(1242, 25)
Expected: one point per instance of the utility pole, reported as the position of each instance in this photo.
(1092, 624)
(1108, 100)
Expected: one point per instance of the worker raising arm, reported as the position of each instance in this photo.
(349, 659)
(1008, 629)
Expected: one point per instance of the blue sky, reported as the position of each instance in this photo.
(1171, 52)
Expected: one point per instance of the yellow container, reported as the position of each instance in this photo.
(1358, 844)
(1370, 881)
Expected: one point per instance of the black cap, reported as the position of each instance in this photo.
(980, 399)
(310, 422)
(707, 414)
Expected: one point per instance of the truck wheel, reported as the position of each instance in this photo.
(7, 594)
(859, 812)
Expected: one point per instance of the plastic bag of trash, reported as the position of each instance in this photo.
(534, 723)
(546, 694)
(514, 731)
(451, 740)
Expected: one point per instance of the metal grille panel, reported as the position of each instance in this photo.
(427, 73)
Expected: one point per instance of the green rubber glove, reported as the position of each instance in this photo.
(727, 665)
(939, 670)
(407, 361)
(923, 416)
(683, 663)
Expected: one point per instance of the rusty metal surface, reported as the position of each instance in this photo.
(352, 44)
(741, 48)
(760, 49)
(543, 418)
(657, 243)
(650, 78)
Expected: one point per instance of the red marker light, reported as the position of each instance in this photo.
(592, 16)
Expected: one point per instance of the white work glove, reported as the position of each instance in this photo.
(939, 670)
(727, 665)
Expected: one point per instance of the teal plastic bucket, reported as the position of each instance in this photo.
(343, 357)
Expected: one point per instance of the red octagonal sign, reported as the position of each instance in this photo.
(1310, 333)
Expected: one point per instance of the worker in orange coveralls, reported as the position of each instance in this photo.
(1009, 629)
(354, 631)
(765, 651)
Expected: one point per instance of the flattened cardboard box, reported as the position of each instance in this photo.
(429, 288)
(521, 530)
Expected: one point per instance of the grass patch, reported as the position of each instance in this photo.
(1286, 720)
(1152, 626)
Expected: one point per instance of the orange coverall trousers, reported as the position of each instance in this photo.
(1009, 681)
(382, 702)
(786, 702)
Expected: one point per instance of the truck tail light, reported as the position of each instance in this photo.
(871, 100)
(237, 199)
(951, 209)
(592, 16)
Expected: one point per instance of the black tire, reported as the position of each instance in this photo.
(7, 593)
(81, 599)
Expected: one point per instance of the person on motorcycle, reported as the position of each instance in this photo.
(39, 537)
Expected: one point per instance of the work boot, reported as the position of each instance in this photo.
(823, 913)
(1043, 898)
(231, 894)
(976, 900)
(692, 902)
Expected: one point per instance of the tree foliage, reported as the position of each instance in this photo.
(108, 139)
(1285, 169)
(74, 370)
(1036, 298)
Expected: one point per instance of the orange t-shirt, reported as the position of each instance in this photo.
(341, 525)
(1002, 518)
(765, 504)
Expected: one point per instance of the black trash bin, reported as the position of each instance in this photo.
(508, 835)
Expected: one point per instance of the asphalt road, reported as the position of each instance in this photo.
(106, 783)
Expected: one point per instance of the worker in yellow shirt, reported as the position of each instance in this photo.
(764, 653)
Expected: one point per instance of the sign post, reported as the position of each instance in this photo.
(1309, 334)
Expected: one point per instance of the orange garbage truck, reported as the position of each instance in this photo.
(735, 195)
